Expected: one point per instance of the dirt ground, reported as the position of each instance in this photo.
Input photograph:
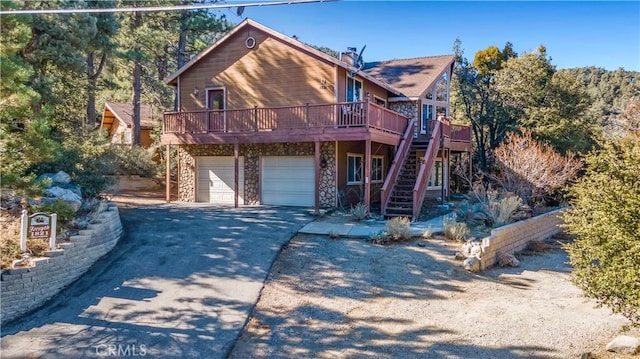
(339, 298)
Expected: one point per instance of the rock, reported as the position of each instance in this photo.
(472, 264)
(66, 195)
(508, 260)
(56, 178)
(624, 344)
(460, 256)
(471, 249)
(61, 177)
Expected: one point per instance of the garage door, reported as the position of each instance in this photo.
(288, 180)
(215, 179)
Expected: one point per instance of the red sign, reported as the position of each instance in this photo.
(39, 226)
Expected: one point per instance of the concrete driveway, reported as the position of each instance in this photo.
(181, 283)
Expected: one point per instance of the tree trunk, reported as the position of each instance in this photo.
(92, 80)
(182, 50)
(137, 84)
(91, 91)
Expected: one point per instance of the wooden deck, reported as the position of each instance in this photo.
(344, 121)
(312, 122)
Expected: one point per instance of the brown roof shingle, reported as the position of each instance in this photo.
(411, 77)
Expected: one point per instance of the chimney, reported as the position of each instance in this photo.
(350, 56)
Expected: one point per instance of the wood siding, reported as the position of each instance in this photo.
(367, 87)
(270, 74)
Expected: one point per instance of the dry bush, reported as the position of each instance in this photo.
(503, 210)
(453, 229)
(532, 170)
(10, 238)
(398, 228)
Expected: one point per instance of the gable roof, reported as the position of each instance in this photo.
(172, 79)
(124, 113)
(411, 77)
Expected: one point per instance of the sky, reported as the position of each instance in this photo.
(575, 33)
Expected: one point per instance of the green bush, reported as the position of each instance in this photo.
(359, 211)
(133, 160)
(64, 212)
(606, 219)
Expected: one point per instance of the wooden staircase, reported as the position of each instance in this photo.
(406, 192)
(401, 199)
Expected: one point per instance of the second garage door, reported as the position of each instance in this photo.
(288, 180)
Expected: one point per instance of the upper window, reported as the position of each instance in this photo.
(442, 89)
(215, 99)
(429, 95)
(377, 169)
(354, 90)
(378, 101)
(354, 168)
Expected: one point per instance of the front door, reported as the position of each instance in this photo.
(216, 118)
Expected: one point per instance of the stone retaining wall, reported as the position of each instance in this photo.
(515, 237)
(26, 288)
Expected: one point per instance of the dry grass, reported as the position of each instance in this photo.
(10, 239)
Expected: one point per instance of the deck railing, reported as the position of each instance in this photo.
(333, 115)
(460, 133)
(426, 166)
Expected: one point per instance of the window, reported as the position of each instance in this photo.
(429, 95)
(215, 99)
(354, 168)
(378, 101)
(442, 89)
(377, 169)
(354, 90)
(436, 174)
(427, 114)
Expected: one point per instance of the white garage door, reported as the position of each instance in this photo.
(288, 180)
(215, 179)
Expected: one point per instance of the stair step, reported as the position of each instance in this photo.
(399, 210)
(396, 197)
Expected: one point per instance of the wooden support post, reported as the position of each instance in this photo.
(236, 173)
(167, 172)
(367, 175)
(317, 165)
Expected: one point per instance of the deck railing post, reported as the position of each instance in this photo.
(255, 117)
(306, 115)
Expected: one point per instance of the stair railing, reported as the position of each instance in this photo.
(396, 165)
(425, 168)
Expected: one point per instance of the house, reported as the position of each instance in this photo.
(265, 119)
(117, 120)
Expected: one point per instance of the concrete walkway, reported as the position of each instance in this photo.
(366, 228)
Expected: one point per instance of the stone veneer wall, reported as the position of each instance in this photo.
(187, 167)
(406, 108)
(515, 237)
(26, 288)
